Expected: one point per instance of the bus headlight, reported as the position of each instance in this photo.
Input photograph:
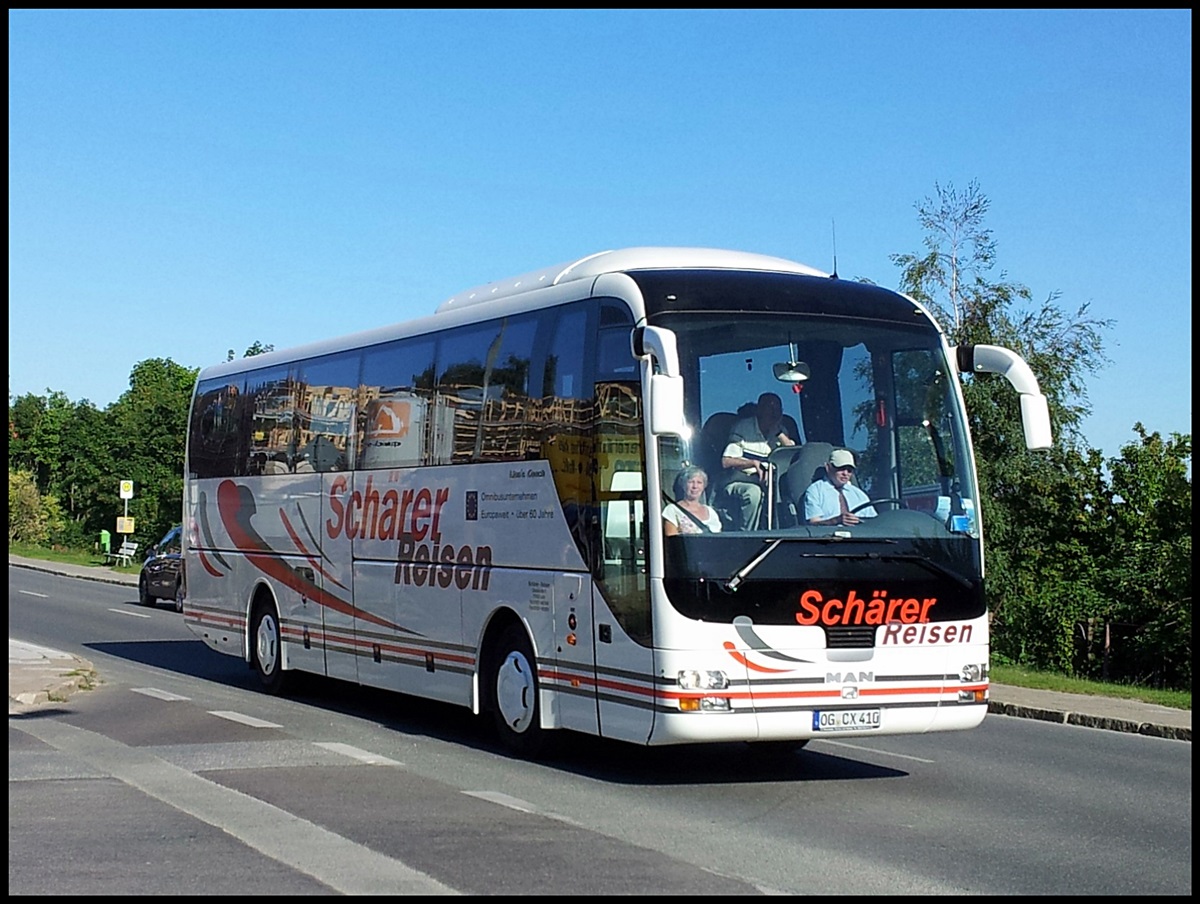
(973, 673)
(703, 680)
(693, 680)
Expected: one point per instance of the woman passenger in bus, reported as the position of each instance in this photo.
(689, 514)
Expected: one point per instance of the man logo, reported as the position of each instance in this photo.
(390, 420)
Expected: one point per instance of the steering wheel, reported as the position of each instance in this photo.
(871, 502)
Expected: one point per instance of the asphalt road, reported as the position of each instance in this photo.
(175, 775)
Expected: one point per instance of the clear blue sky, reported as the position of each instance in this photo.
(186, 182)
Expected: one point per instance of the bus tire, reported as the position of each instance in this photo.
(515, 687)
(266, 648)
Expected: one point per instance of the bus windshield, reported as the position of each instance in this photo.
(877, 397)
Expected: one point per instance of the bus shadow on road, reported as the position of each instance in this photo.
(599, 759)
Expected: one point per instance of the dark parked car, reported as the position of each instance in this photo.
(162, 572)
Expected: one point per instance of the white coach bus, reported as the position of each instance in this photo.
(468, 506)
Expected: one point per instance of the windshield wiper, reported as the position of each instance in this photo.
(740, 575)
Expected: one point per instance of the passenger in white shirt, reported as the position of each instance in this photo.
(751, 442)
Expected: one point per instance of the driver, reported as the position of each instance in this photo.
(832, 499)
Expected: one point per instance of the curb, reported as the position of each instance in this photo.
(1085, 720)
(100, 577)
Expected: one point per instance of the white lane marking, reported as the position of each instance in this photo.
(363, 756)
(128, 612)
(159, 695)
(521, 806)
(903, 756)
(31, 593)
(504, 800)
(244, 720)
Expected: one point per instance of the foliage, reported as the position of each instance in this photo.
(150, 421)
(77, 456)
(1072, 555)
(28, 517)
(1151, 512)
(256, 348)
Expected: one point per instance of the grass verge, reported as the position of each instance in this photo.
(1019, 676)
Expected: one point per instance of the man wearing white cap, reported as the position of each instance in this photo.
(832, 500)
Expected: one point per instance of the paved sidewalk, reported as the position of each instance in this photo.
(37, 675)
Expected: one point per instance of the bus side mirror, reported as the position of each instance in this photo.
(1035, 411)
(666, 386)
(666, 406)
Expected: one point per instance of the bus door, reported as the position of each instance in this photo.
(621, 592)
(322, 448)
(621, 610)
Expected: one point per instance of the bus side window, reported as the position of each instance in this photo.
(395, 415)
(271, 404)
(620, 470)
(327, 390)
(561, 422)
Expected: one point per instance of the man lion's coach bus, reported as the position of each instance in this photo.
(468, 507)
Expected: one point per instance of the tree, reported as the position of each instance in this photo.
(1043, 532)
(1150, 565)
(30, 516)
(950, 279)
(150, 431)
(257, 348)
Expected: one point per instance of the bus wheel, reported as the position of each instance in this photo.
(144, 596)
(515, 692)
(265, 648)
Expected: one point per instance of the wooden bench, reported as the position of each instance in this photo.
(123, 555)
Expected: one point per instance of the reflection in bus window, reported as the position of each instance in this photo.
(326, 388)
(395, 412)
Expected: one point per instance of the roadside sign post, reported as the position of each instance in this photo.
(125, 523)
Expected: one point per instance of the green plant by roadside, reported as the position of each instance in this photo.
(1049, 681)
(70, 557)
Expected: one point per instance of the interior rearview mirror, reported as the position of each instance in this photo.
(791, 371)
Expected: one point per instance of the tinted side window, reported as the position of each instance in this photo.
(620, 465)
(215, 438)
(326, 390)
(272, 403)
(483, 382)
(505, 414)
(397, 420)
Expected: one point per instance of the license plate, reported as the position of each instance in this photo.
(845, 719)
